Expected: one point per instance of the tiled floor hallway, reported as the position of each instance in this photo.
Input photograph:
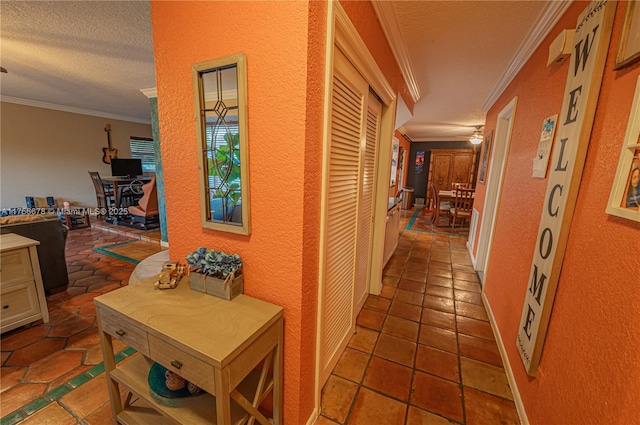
(423, 351)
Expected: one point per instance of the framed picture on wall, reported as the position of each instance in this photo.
(394, 161)
(541, 160)
(629, 44)
(419, 162)
(624, 200)
(485, 157)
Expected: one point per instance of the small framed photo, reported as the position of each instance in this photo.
(485, 157)
(629, 44)
(624, 200)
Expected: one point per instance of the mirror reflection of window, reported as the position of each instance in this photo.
(222, 136)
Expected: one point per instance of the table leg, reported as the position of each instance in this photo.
(223, 400)
(277, 377)
(117, 196)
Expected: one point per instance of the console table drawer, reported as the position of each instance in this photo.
(16, 267)
(123, 329)
(18, 302)
(185, 365)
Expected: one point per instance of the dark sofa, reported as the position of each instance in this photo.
(52, 235)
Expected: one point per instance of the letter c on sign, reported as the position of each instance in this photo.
(551, 196)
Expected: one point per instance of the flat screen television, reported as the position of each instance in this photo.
(129, 167)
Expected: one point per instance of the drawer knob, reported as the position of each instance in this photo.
(176, 364)
(5, 307)
(120, 332)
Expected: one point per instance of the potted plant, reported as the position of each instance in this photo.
(223, 167)
(215, 273)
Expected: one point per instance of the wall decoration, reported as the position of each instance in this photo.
(593, 29)
(401, 162)
(485, 156)
(541, 161)
(394, 161)
(629, 44)
(419, 161)
(624, 200)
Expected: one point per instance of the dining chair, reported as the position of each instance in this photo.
(439, 206)
(462, 206)
(104, 194)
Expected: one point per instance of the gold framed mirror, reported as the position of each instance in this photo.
(220, 99)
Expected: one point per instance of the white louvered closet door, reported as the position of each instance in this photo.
(349, 96)
(365, 207)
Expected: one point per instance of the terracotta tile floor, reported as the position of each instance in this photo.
(422, 223)
(423, 351)
(52, 373)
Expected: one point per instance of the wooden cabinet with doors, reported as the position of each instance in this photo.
(450, 166)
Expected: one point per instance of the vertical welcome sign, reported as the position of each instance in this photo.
(590, 45)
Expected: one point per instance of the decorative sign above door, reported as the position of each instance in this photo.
(590, 44)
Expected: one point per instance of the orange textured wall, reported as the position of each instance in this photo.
(590, 366)
(364, 18)
(284, 116)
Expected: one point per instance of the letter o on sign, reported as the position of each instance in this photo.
(546, 231)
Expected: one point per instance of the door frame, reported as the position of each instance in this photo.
(497, 166)
(343, 35)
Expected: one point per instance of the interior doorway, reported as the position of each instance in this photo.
(494, 185)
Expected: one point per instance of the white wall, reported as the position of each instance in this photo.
(44, 152)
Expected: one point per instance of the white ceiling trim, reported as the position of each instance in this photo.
(545, 23)
(389, 21)
(71, 109)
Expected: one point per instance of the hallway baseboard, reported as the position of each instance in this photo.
(505, 361)
(473, 258)
(314, 416)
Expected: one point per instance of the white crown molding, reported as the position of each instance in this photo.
(389, 22)
(70, 109)
(543, 26)
(442, 139)
(152, 92)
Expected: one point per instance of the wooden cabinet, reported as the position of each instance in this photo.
(21, 288)
(449, 166)
(227, 348)
(392, 232)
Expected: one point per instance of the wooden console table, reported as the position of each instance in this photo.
(213, 343)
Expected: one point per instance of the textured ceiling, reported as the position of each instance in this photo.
(92, 55)
(458, 51)
(98, 55)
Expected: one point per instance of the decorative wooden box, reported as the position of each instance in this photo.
(227, 289)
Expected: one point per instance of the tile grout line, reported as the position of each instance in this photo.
(415, 355)
(60, 391)
(455, 311)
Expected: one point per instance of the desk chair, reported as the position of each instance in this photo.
(462, 206)
(104, 194)
(146, 212)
